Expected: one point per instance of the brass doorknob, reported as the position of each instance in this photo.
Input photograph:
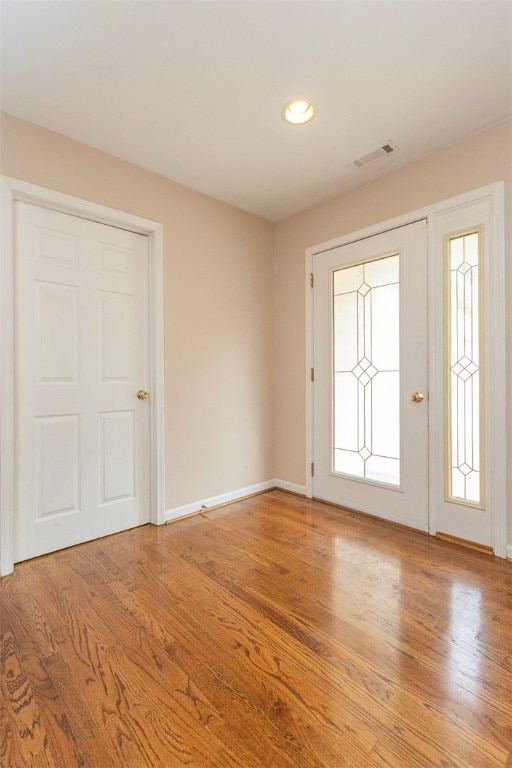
(142, 394)
(417, 397)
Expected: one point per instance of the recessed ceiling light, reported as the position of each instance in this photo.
(298, 111)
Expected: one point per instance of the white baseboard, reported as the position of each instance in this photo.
(292, 487)
(509, 551)
(213, 501)
(175, 513)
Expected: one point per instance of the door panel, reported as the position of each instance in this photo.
(81, 354)
(370, 353)
(56, 320)
(116, 456)
(115, 336)
(58, 472)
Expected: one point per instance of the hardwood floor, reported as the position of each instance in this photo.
(274, 633)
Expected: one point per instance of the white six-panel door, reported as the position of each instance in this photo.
(81, 355)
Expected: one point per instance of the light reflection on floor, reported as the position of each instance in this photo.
(381, 591)
(462, 637)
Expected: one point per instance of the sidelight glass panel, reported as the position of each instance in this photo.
(463, 368)
(366, 371)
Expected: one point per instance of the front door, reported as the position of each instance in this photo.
(81, 355)
(371, 378)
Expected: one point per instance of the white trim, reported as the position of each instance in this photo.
(13, 190)
(310, 362)
(497, 396)
(375, 229)
(509, 551)
(495, 419)
(156, 351)
(175, 513)
(284, 485)
(6, 384)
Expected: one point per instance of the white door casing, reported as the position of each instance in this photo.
(369, 395)
(114, 422)
(485, 205)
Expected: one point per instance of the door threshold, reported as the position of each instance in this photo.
(484, 548)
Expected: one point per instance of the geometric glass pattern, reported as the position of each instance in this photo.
(366, 371)
(463, 369)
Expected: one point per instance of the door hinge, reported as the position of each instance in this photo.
(312, 469)
(311, 280)
(312, 374)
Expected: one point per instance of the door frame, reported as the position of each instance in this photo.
(15, 190)
(495, 402)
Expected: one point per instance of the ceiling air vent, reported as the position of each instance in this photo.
(375, 154)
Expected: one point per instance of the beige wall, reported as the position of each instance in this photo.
(481, 159)
(218, 277)
(227, 427)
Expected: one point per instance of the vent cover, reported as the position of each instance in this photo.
(375, 154)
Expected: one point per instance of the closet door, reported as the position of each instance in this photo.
(81, 356)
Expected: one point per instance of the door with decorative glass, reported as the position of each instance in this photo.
(371, 378)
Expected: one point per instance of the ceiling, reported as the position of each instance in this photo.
(194, 90)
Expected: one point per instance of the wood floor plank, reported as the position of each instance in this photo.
(376, 689)
(85, 606)
(278, 632)
(244, 683)
(240, 689)
(30, 734)
(111, 673)
(426, 616)
(210, 599)
(302, 601)
(314, 611)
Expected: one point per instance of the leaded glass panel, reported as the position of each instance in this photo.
(463, 369)
(366, 370)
